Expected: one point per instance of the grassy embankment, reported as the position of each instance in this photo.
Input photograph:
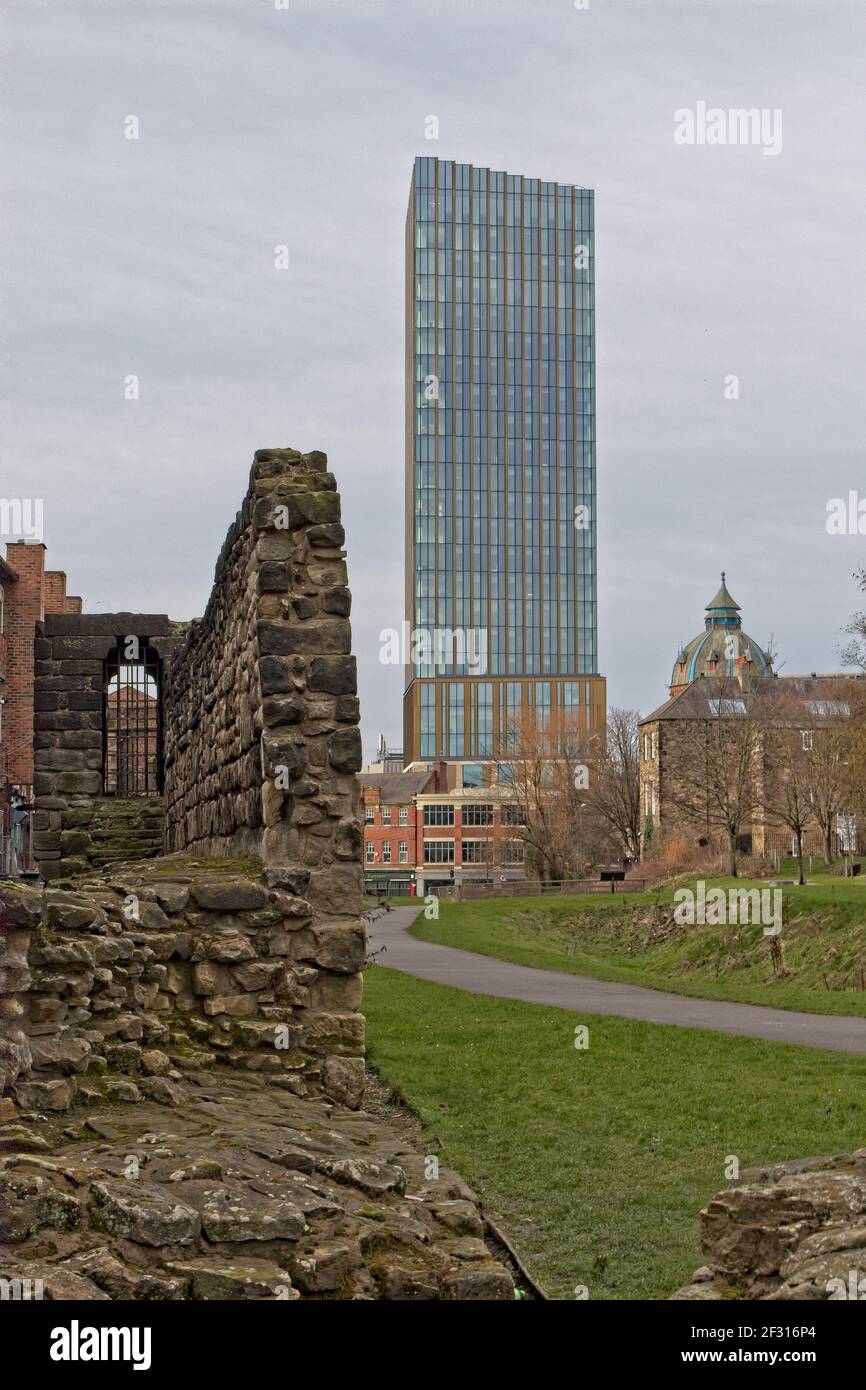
(633, 938)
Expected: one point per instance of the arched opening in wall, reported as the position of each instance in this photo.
(132, 719)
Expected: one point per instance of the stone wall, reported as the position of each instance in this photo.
(261, 712)
(75, 826)
(201, 963)
(261, 744)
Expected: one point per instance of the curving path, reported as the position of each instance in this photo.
(446, 965)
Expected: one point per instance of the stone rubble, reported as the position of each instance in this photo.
(788, 1231)
(242, 1191)
(117, 988)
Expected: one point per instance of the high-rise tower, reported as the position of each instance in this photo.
(500, 459)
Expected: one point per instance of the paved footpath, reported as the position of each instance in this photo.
(446, 965)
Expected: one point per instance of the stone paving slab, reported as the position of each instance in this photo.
(241, 1190)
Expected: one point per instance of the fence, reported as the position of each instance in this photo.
(526, 888)
(389, 887)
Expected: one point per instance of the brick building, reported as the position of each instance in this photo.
(390, 828)
(430, 828)
(28, 591)
(724, 678)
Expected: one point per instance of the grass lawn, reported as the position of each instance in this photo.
(597, 1162)
(632, 938)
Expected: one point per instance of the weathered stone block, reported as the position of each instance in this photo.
(330, 535)
(29, 1203)
(236, 1213)
(273, 577)
(344, 750)
(140, 1212)
(233, 1005)
(314, 637)
(336, 890)
(282, 709)
(224, 895)
(274, 676)
(340, 946)
(334, 675)
(45, 1095)
(79, 783)
(337, 600)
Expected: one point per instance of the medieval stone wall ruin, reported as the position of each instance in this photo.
(221, 979)
(261, 709)
(260, 733)
(204, 960)
(76, 827)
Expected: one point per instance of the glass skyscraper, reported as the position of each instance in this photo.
(500, 458)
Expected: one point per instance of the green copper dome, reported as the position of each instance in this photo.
(722, 648)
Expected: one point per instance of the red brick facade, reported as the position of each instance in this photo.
(417, 829)
(390, 833)
(27, 592)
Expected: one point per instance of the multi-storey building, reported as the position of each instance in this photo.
(27, 592)
(723, 680)
(422, 832)
(500, 461)
(390, 828)
(467, 836)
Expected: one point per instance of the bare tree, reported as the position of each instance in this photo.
(546, 773)
(771, 652)
(714, 780)
(787, 748)
(854, 652)
(834, 718)
(855, 779)
(614, 791)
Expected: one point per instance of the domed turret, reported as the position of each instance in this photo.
(722, 649)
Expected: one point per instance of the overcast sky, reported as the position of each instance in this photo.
(261, 126)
